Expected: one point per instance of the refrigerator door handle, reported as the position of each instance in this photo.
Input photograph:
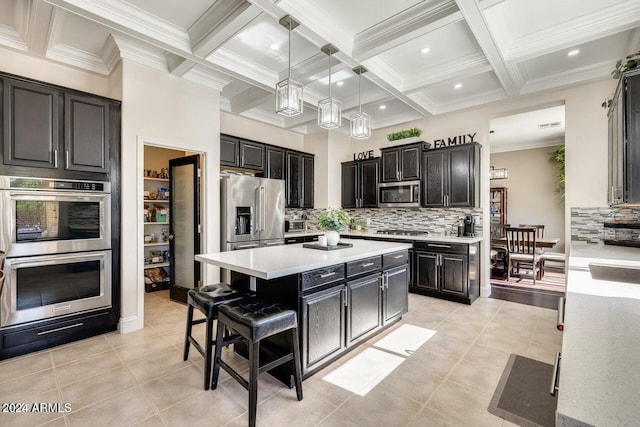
(257, 223)
(263, 206)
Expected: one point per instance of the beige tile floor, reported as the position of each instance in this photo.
(141, 379)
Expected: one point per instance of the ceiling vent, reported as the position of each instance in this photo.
(548, 125)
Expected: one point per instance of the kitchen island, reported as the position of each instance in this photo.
(599, 375)
(342, 297)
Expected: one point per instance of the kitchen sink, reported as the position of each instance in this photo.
(615, 273)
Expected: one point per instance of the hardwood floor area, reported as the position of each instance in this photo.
(544, 293)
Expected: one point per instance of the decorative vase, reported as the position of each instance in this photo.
(332, 237)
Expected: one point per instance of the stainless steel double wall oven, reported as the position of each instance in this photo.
(56, 238)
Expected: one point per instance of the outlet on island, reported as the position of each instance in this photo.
(368, 221)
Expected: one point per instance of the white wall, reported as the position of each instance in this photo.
(247, 128)
(164, 110)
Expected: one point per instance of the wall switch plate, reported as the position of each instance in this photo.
(368, 221)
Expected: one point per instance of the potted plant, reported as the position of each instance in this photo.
(405, 134)
(631, 62)
(331, 221)
(357, 224)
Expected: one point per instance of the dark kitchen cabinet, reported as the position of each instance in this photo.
(447, 270)
(31, 124)
(360, 183)
(299, 180)
(624, 141)
(395, 301)
(323, 326)
(229, 149)
(57, 129)
(86, 137)
(363, 307)
(276, 161)
(449, 176)
(401, 163)
(251, 155)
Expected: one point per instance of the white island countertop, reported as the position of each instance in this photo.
(600, 365)
(279, 261)
(431, 237)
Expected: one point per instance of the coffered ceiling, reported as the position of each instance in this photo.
(424, 57)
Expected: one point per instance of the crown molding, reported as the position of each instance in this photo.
(467, 66)
(571, 77)
(110, 53)
(132, 50)
(77, 58)
(244, 68)
(248, 99)
(610, 20)
(524, 145)
(394, 120)
(9, 37)
(264, 117)
(407, 25)
(473, 101)
(206, 78)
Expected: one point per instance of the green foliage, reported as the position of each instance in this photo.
(558, 158)
(332, 219)
(606, 103)
(629, 63)
(407, 133)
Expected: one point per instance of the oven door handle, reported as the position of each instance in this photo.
(57, 195)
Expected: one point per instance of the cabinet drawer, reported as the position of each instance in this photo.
(451, 248)
(293, 240)
(395, 258)
(322, 276)
(355, 268)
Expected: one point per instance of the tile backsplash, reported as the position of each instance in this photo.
(587, 223)
(435, 221)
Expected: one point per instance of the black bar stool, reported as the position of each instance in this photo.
(255, 320)
(207, 299)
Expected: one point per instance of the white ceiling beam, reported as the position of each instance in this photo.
(611, 20)
(248, 99)
(37, 24)
(574, 76)
(467, 66)
(476, 22)
(414, 22)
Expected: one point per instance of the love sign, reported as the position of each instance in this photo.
(363, 155)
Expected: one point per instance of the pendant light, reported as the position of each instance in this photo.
(289, 101)
(329, 114)
(360, 122)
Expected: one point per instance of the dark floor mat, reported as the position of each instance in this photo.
(522, 395)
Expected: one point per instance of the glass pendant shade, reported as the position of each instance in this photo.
(329, 113)
(289, 98)
(289, 93)
(329, 109)
(361, 126)
(360, 122)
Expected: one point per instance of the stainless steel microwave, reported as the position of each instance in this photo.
(403, 194)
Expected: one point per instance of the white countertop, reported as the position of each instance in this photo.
(302, 233)
(600, 365)
(279, 261)
(427, 237)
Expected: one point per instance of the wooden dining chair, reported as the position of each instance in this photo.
(539, 229)
(521, 244)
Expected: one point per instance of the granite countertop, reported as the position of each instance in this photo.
(279, 261)
(427, 237)
(599, 369)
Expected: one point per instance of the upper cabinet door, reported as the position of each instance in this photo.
(390, 165)
(368, 182)
(294, 176)
(434, 185)
(410, 158)
(307, 181)
(31, 124)
(229, 148)
(251, 155)
(275, 163)
(86, 139)
(350, 185)
(462, 171)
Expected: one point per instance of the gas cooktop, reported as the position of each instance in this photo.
(403, 232)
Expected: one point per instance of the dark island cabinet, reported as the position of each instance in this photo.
(299, 180)
(360, 183)
(276, 162)
(323, 326)
(395, 301)
(447, 270)
(31, 123)
(401, 163)
(363, 307)
(55, 128)
(624, 141)
(449, 176)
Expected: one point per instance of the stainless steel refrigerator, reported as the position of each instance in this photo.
(252, 212)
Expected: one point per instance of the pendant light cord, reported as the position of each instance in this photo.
(289, 50)
(359, 100)
(329, 74)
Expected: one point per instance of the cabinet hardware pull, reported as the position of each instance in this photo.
(368, 264)
(386, 280)
(382, 281)
(325, 275)
(554, 378)
(55, 158)
(66, 159)
(434, 245)
(344, 297)
(50, 331)
(246, 246)
(398, 256)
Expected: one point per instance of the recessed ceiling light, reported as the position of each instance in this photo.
(340, 83)
(274, 46)
(383, 107)
(573, 52)
(457, 86)
(425, 50)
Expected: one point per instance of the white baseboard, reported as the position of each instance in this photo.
(130, 324)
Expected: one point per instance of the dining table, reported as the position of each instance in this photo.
(541, 242)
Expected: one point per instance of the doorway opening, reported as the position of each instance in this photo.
(171, 221)
(526, 189)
